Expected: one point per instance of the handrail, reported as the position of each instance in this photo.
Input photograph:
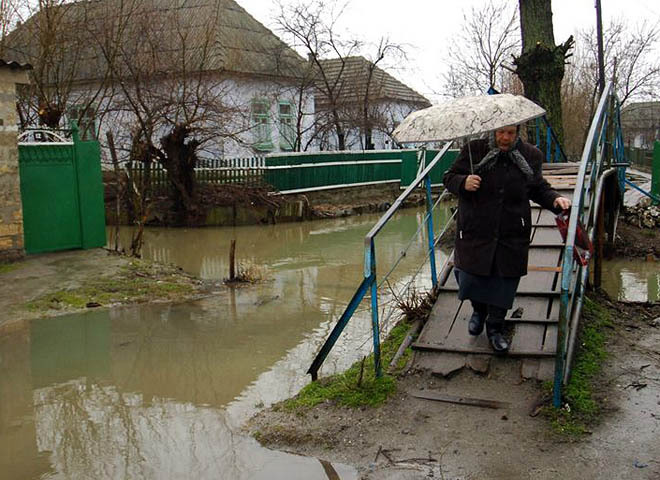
(592, 155)
(370, 278)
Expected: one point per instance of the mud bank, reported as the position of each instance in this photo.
(53, 284)
(228, 205)
(412, 438)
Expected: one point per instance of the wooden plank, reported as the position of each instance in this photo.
(546, 235)
(475, 402)
(545, 293)
(441, 320)
(528, 337)
(537, 268)
(534, 309)
(478, 348)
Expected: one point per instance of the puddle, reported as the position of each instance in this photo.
(159, 391)
(632, 280)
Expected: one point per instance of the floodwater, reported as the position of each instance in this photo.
(633, 280)
(159, 391)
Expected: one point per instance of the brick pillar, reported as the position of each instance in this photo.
(11, 213)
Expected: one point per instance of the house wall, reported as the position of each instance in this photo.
(11, 213)
(238, 137)
(389, 114)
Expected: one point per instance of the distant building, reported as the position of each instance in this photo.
(360, 86)
(641, 124)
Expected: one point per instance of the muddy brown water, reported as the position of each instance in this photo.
(632, 280)
(159, 391)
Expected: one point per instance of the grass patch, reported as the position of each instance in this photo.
(7, 267)
(581, 408)
(357, 386)
(137, 282)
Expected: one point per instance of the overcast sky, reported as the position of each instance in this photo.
(425, 26)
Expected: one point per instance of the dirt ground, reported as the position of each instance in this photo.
(411, 438)
(53, 284)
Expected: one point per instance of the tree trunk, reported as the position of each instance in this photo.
(180, 159)
(541, 64)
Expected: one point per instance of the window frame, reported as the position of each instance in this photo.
(261, 125)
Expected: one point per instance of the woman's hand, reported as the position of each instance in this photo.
(560, 202)
(472, 183)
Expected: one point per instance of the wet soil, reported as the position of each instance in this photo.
(635, 242)
(53, 284)
(413, 438)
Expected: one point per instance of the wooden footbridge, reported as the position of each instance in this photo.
(444, 344)
(543, 323)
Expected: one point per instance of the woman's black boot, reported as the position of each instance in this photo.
(478, 318)
(495, 327)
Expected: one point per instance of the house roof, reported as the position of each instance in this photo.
(219, 35)
(354, 77)
(13, 65)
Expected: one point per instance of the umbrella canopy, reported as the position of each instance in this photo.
(466, 116)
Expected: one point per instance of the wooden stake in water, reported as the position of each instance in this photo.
(232, 259)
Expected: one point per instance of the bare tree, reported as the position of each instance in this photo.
(44, 39)
(170, 98)
(477, 55)
(311, 27)
(631, 62)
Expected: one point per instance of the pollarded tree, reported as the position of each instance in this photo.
(541, 64)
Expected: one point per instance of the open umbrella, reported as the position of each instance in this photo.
(466, 116)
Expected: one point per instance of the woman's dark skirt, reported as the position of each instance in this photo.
(491, 290)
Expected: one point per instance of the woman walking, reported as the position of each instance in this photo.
(494, 223)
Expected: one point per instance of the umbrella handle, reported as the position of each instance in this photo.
(470, 155)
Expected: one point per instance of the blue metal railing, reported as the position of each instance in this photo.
(586, 206)
(370, 283)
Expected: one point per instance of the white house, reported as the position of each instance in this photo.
(146, 65)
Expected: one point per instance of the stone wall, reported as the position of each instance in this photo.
(11, 214)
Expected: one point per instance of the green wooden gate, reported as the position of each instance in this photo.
(62, 195)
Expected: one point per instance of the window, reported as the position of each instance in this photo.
(287, 132)
(84, 117)
(261, 125)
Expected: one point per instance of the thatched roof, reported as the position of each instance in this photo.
(353, 77)
(211, 35)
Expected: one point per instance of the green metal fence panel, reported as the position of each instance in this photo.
(90, 190)
(62, 195)
(333, 170)
(49, 191)
(410, 167)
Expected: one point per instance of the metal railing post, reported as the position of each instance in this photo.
(374, 313)
(429, 229)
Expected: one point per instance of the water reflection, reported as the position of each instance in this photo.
(632, 280)
(157, 391)
(138, 393)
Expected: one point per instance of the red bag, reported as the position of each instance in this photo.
(583, 248)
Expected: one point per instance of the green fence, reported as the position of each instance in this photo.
(639, 157)
(62, 195)
(411, 167)
(302, 172)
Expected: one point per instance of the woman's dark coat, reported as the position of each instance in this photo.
(494, 223)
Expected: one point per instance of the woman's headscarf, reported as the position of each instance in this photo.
(513, 155)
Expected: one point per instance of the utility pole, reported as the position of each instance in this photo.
(601, 54)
